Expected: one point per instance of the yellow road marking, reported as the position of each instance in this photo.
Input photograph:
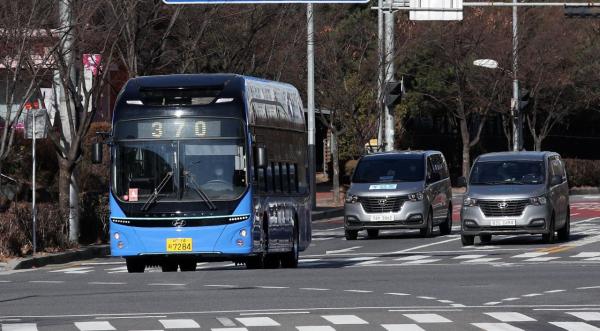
(556, 249)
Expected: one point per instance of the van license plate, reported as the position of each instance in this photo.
(179, 244)
(503, 222)
(382, 218)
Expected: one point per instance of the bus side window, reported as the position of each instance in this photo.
(285, 179)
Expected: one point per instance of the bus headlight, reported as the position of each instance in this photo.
(117, 236)
(243, 232)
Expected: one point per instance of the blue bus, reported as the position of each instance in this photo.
(208, 167)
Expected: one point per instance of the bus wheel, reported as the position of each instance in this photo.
(169, 266)
(255, 262)
(187, 266)
(272, 261)
(135, 265)
(290, 260)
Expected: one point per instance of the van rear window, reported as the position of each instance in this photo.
(389, 170)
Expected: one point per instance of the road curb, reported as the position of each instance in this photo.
(329, 213)
(84, 253)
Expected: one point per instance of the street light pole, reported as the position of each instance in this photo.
(516, 111)
(311, 103)
(389, 69)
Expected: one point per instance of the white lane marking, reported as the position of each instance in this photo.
(427, 298)
(366, 263)
(273, 287)
(102, 263)
(511, 317)
(322, 238)
(575, 326)
(423, 246)
(496, 327)
(482, 260)
(276, 313)
(315, 328)
(229, 329)
(314, 289)
(402, 327)
(529, 255)
(225, 321)
(106, 283)
(94, 326)
(542, 259)
(592, 259)
(179, 324)
(457, 305)
(128, 317)
(588, 287)
(396, 293)
(493, 303)
(446, 301)
(257, 321)
(19, 327)
(424, 261)
(554, 291)
(117, 269)
(309, 260)
(345, 250)
(531, 295)
(358, 291)
(586, 255)
(345, 319)
(428, 318)
(412, 257)
(217, 285)
(510, 299)
(586, 315)
(166, 284)
(360, 258)
(80, 270)
(468, 256)
(47, 281)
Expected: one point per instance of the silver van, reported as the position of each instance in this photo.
(399, 190)
(516, 193)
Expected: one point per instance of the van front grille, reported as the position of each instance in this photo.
(499, 208)
(382, 204)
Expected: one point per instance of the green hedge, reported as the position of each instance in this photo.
(583, 172)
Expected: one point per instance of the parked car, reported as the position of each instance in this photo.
(399, 190)
(516, 193)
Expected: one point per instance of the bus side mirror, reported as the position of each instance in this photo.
(260, 157)
(462, 182)
(96, 153)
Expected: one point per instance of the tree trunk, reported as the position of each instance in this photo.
(64, 198)
(538, 143)
(466, 149)
(336, 167)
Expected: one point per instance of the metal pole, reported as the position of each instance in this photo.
(380, 81)
(33, 208)
(310, 90)
(389, 67)
(516, 113)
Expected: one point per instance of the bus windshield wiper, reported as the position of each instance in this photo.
(154, 196)
(199, 191)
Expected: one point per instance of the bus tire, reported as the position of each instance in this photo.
(255, 262)
(290, 259)
(169, 266)
(187, 265)
(135, 265)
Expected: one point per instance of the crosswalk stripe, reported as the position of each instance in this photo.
(542, 259)
(257, 321)
(412, 257)
(575, 326)
(511, 317)
(19, 327)
(94, 326)
(586, 315)
(179, 324)
(315, 328)
(423, 261)
(586, 255)
(496, 327)
(79, 270)
(402, 327)
(345, 319)
(529, 255)
(427, 318)
(468, 256)
(226, 321)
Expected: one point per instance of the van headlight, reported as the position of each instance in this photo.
(537, 201)
(469, 202)
(351, 198)
(415, 196)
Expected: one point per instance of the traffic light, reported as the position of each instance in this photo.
(584, 11)
(393, 93)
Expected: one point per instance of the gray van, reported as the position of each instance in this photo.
(399, 190)
(516, 193)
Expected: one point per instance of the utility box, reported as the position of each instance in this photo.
(436, 10)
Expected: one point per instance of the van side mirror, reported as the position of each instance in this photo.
(461, 182)
(260, 157)
(555, 180)
(96, 153)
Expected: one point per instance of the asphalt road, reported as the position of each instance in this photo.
(397, 282)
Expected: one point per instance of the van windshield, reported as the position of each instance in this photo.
(389, 170)
(508, 173)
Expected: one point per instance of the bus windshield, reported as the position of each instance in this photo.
(213, 167)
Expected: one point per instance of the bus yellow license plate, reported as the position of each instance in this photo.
(179, 244)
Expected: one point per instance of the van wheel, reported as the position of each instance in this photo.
(351, 234)
(467, 240)
(169, 266)
(135, 265)
(565, 232)
(446, 226)
(373, 233)
(427, 231)
(485, 238)
(187, 266)
(549, 237)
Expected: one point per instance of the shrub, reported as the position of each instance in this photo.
(94, 214)
(583, 172)
(15, 228)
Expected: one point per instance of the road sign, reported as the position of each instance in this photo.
(436, 10)
(192, 2)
